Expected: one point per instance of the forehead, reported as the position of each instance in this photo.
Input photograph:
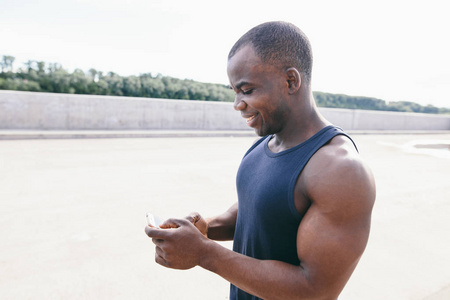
(243, 58)
(245, 65)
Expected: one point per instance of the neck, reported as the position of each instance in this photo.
(304, 121)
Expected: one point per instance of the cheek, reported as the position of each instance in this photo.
(275, 105)
(279, 112)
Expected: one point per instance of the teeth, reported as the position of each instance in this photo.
(251, 118)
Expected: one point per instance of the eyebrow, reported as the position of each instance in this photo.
(241, 84)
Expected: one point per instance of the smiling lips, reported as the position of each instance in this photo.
(250, 119)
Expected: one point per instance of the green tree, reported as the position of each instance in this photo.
(30, 65)
(132, 86)
(93, 73)
(59, 81)
(79, 82)
(41, 67)
(115, 84)
(7, 63)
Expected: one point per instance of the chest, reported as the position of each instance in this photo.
(267, 184)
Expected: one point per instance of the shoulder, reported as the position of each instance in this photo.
(337, 178)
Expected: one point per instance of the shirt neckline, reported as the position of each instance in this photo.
(315, 136)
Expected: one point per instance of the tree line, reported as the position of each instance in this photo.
(368, 103)
(38, 76)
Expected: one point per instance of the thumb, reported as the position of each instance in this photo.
(193, 217)
(199, 222)
(174, 223)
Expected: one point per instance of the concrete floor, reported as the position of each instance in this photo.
(73, 214)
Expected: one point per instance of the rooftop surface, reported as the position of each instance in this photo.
(73, 215)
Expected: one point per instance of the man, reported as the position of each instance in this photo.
(305, 197)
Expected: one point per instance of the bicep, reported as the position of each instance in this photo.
(334, 231)
(329, 251)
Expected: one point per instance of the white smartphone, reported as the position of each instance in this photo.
(153, 221)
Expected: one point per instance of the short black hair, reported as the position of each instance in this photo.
(279, 43)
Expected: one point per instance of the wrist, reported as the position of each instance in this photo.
(208, 255)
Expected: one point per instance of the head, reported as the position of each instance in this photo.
(269, 69)
(280, 44)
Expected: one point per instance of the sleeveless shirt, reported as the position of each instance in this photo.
(267, 220)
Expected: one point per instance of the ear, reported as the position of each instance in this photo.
(294, 80)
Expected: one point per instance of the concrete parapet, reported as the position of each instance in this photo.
(355, 119)
(51, 111)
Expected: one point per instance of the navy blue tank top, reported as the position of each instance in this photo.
(268, 220)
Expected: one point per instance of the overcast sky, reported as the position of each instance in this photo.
(392, 50)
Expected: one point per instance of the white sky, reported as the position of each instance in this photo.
(388, 49)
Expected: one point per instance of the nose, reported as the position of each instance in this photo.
(239, 104)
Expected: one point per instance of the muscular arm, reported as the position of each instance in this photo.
(221, 228)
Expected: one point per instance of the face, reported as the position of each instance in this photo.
(261, 92)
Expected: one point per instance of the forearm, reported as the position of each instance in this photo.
(267, 279)
(221, 228)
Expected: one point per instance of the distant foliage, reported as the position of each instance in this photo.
(354, 102)
(37, 76)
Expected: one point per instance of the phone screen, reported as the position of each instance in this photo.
(153, 221)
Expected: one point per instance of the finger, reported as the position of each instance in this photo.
(160, 252)
(199, 222)
(175, 223)
(157, 242)
(160, 260)
(156, 233)
(168, 224)
(193, 217)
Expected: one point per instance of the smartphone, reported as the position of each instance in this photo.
(153, 221)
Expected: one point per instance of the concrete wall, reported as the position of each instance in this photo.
(38, 111)
(355, 119)
(24, 110)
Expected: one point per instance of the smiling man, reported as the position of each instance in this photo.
(305, 197)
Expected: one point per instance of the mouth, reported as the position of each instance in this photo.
(250, 119)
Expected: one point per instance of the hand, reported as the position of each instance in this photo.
(195, 218)
(198, 221)
(179, 245)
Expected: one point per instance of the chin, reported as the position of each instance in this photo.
(264, 131)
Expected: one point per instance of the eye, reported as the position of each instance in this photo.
(247, 92)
